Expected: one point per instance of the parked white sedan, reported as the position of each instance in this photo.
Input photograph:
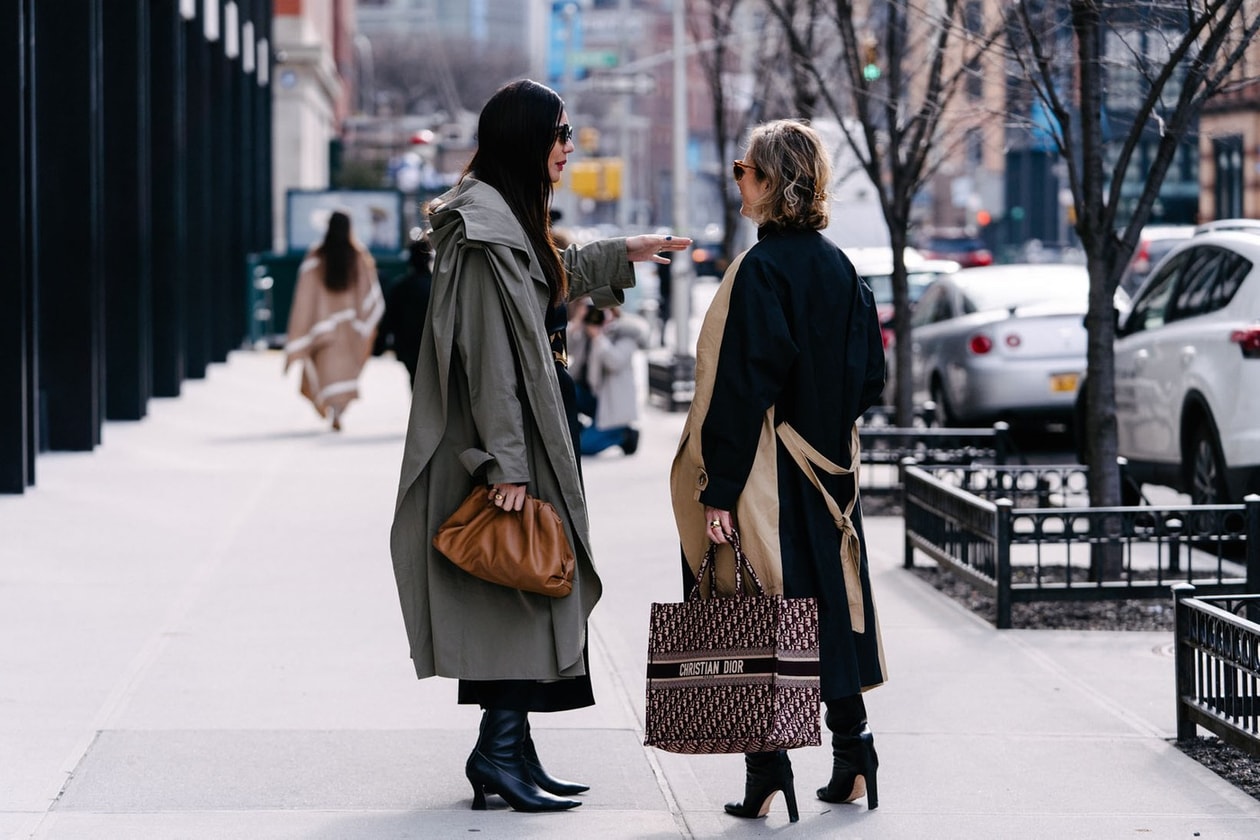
(1001, 342)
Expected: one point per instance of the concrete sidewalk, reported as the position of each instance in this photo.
(200, 638)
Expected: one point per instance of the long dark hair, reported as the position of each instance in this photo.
(515, 135)
(341, 258)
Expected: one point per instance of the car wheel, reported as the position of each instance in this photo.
(944, 414)
(1207, 469)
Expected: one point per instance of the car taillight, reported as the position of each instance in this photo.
(1248, 340)
(980, 344)
(1142, 259)
(982, 258)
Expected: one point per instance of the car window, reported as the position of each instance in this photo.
(1198, 278)
(881, 287)
(1234, 270)
(1210, 279)
(1149, 310)
(926, 309)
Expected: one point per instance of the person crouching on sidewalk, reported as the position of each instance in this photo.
(614, 339)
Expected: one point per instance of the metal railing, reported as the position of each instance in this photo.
(885, 447)
(1217, 661)
(969, 521)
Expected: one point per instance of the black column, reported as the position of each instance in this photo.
(195, 263)
(127, 228)
(67, 195)
(169, 183)
(246, 83)
(16, 401)
(264, 233)
(222, 188)
(238, 218)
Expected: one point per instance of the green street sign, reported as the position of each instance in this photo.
(593, 58)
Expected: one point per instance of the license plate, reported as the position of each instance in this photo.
(1063, 382)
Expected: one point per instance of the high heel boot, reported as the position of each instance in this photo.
(853, 766)
(497, 765)
(767, 774)
(541, 777)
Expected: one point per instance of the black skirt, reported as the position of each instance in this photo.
(530, 695)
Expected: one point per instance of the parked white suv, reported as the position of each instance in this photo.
(1187, 357)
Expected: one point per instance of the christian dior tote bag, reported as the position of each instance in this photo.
(735, 674)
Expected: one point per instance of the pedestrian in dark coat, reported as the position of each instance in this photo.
(405, 305)
(788, 358)
(490, 410)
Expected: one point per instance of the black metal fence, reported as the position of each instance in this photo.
(885, 446)
(1217, 660)
(971, 520)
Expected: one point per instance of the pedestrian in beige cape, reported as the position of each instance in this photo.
(332, 324)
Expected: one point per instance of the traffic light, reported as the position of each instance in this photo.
(612, 179)
(584, 178)
(597, 178)
(983, 218)
(870, 61)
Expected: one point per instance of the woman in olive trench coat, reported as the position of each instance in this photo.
(488, 409)
(788, 358)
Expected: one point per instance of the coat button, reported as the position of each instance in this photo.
(702, 480)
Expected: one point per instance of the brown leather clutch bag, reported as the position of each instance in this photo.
(524, 549)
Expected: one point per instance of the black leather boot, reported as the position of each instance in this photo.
(767, 774)
(853, 764)
(541, 777)
(497, 765)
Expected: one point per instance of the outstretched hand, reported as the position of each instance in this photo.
(649, 245)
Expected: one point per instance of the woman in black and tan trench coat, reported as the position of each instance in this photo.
(788, 358)
(490, 408)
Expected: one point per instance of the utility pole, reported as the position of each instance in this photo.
(680, 305)
(674, 376)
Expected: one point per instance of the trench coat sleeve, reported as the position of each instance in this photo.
(599, 269)
(756, 354)
(873, 383)
(489, 359)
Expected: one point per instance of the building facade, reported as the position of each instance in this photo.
(314, 74)
(1229, 145)
(137, 153)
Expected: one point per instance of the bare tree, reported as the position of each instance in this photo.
(1182, 54)
(889, 76)
(726, 53)
(424, 75)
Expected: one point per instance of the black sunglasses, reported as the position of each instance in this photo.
(739, 166)
(564, 132)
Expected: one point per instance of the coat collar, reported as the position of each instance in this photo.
(486, 218)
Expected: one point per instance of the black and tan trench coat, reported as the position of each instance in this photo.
(791, 343)
(487, 409)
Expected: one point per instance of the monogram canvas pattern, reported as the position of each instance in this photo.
(731, 675)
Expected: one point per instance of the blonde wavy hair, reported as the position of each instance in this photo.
(793, 162)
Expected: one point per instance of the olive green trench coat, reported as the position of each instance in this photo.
(487, 409)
